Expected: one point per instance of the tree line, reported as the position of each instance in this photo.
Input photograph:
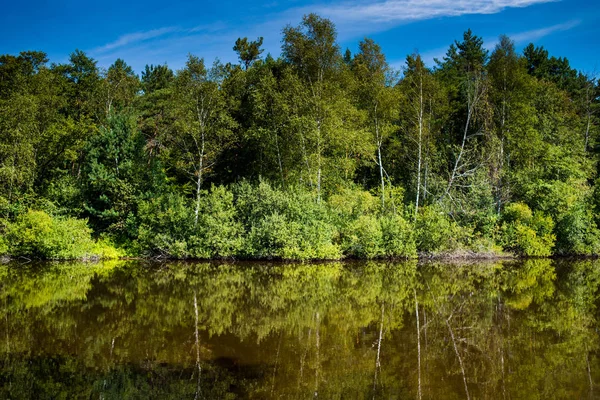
(317, 154)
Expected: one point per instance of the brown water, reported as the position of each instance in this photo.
(134, 330)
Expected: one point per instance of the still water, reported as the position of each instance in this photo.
(135, 330)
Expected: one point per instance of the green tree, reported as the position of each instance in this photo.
(312, 51)
(114, 175)
(120, 87)
(248, 51)
(420, 102)
(376, 96)
(203, 124)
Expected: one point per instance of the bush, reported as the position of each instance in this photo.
(349, 204)
(364, 238)
(435, 232)
(3, 245)
(526, 233)
(247, 221)
(218, 232)
(39, 235)
(284, 224)
(570, 203)
(576, 232)
(166, 224)
(398, 237)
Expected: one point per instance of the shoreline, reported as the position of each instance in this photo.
(453, 256)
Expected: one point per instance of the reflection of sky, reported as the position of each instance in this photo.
(158, 32)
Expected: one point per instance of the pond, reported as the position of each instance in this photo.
(138, 330)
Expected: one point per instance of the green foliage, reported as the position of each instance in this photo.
(569, 205)
(218, 232)
(3, 244)
(166, 223)
(434, 231)
(65, 193)
(398, 237)
(364, 237)
(526, 233)
(285, 224)
(39, 235)
(333, 150)
(113, 174)
(348, 204)
(248, 52)
(370, 236)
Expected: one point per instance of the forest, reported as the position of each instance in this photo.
(316, 154)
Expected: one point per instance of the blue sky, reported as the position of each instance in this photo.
(155, 32)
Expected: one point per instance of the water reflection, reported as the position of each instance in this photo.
(253, 330)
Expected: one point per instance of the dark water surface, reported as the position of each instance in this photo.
(134, 330)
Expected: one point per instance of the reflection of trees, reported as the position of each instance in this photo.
(518, 331)
(296, 331)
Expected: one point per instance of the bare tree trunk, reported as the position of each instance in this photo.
(381, 176)
(378, 360)
(502, 136)
(201, 119)
(317, 347)
(305, 155)
(499, 188)
(587, 131)
(276, 364)
(279, 161)
(460, 155)
(472, 100)
(319, 161)
(198, 388)
(418, 345)
(198, 193)
(426, 161)
(379, 140)
(589, 97)
(420, 144)
(462, 368)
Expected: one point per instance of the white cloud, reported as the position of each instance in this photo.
(212, 27)
(134, 38)
(533, 35)
(353, 18)
(356, 17)
(536, 34)
(399, 11)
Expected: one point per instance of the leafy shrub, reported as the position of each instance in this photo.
(284, 224)
(485, 245)
(364, 238)
(166, 224)
(39, 235)
(576, 232)
(516, 212)
(570, 203)
(3, 245)
(105, 249)
(398, 237)
(526, 233)
(350, 203)
(435, 232)
(218, 232)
